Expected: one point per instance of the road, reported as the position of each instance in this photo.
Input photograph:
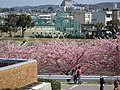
(85, 87)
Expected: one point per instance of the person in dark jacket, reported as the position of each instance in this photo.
(102, 82)
(74, 73)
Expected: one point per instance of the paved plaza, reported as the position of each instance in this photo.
(85, 87)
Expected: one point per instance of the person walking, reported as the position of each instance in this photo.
(79, 73)
(116, 84)
(74, 73)
(102, 82)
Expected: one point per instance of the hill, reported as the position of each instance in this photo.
(104, 5)
(109, 5)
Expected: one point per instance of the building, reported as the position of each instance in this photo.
(83, 17)
(16, 73)
(116, 14)
(67, 3)
(101, 17)
(3, 15)
(66, 24)
(44, 32)
(43, 19)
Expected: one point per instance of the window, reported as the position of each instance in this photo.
(36, 32)
(108, 15)
(45, 33)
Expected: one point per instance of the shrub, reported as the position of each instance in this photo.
(10, 89)
(54, 84)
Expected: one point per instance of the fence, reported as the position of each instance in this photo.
(83, 77)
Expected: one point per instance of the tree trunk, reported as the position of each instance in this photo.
(10, 33)
(23, 31)
(113, 34)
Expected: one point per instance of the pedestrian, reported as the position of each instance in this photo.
(116, 84)
(74, 73)
(79, 73)
(102, 82)
(68, 80)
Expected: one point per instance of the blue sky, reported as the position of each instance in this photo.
(11, 3)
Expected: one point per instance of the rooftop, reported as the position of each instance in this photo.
(6, 63)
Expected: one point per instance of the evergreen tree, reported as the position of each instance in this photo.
(24, 22)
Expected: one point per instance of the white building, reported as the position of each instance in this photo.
(43, 18)
(48, 17)
(101, 17)
(3, 15)
(83, 17)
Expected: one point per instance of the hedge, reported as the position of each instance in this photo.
(54, 84)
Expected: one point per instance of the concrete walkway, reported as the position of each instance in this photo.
(85, 87)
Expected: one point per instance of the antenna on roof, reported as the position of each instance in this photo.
(115, 5)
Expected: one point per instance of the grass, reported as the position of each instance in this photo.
(42, 39)
(26, 38)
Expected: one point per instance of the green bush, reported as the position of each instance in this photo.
(54, 84)
(9, 89)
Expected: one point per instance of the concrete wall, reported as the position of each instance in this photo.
(16, 77)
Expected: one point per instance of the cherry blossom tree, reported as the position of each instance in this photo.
(61, 56)
(102, 57)
(52, 57)
(99, 56)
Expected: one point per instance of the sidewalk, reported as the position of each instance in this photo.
(85, 87)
